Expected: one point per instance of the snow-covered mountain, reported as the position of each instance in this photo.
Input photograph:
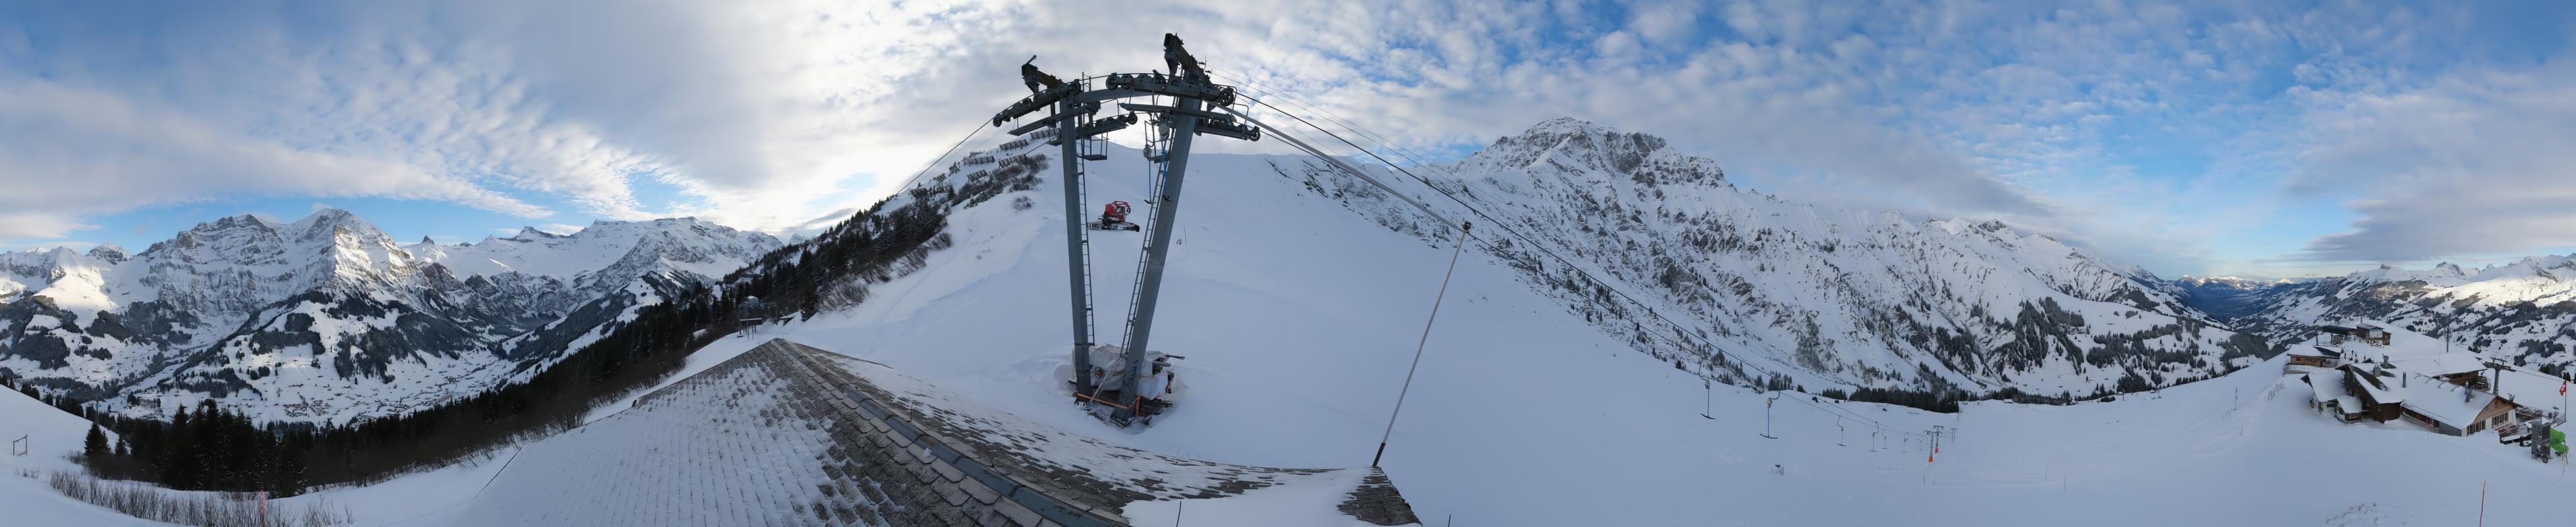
(1783, 292)
(1850, 298)
(330, 319)
(2525, 309)
(2225, 298)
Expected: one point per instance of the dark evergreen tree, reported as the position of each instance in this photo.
(94, 446)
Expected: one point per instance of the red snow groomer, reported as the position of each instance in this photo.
(1113, 217)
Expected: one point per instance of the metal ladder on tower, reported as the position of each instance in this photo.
(1086, 149)
(1158, 142)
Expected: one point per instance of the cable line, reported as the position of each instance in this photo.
(934, 162)
(1328, 115)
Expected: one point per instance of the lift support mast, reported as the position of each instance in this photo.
(1072, 104)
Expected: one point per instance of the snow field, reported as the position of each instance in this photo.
(53, 437)
(1089, 471)
(725, 448)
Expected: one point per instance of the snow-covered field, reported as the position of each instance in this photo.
(745, 461)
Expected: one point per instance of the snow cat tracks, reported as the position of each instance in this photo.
(976, 465)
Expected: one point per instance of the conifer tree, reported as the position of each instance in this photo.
(94, 447)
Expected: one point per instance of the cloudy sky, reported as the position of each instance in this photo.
(2258, 138)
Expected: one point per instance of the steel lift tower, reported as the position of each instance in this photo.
(1070, 106)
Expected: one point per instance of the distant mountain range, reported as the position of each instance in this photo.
(328, 319)
(2524, 311)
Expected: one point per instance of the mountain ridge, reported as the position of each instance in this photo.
(2523, 311)
(221, 310)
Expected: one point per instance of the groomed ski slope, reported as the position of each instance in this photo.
(1298, 319)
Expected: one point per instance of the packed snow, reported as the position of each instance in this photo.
(51, 437)
(736, 453)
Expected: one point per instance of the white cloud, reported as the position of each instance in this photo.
(75, 151)
(48, 246)
(2473, 163)
(752, 109)
(31, 224)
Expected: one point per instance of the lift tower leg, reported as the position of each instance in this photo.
(1075, 248)
(1176, 161)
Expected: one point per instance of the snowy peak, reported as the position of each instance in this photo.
(2545, 267)
(1562, 126)
(427, 251)
(2446, 274)
(336, 224)
(532, 234)
(1576, 144)
(108, 252)
(28, 272)
(232, 231)
(2449, 269)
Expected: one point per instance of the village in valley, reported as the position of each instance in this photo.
(2374, 373)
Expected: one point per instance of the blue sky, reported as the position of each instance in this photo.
(2255, 138)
